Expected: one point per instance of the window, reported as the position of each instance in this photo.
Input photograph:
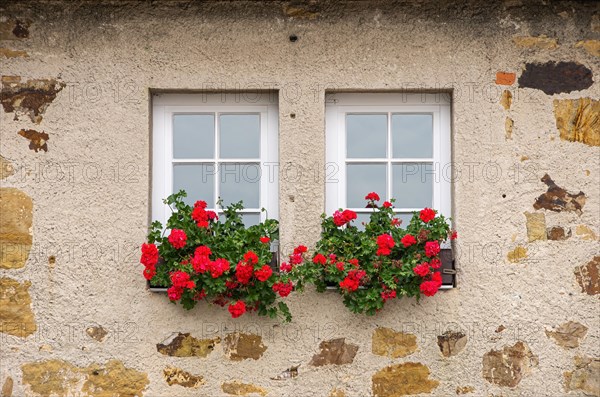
(395, 144)
(216, 146)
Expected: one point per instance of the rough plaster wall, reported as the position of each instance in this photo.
(90, 189)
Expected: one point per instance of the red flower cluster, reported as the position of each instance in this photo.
(422, 269)
(265, 239)
(427, 215)
(285, 267)
(319, 259)
(263, 273)
(387, 204)
(340, 218)
(387, 295)
(431, 287)
(149, 259)
(385, 243)
(177, 238)
(296, 257)
(283, 289)
(453, 235)
(300, 249)
(244, 272)
(352, 280)
(408, 240)
(201, 215)
(432, 248)
(372, 196)
(180, 280)
(251, 257)
(200, 260)
(435, 263)
(237, 309)
(218, 267)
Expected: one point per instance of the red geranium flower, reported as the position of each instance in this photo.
(435, 263)
(263, 273)
(251, 258)
(387, 204)
(202, 250)
(237, 309)
(387, 295)
(212, 215)
(243, 272)
(296, 259)
(149, 255)
(372, 196)
(385, 243)
(177, 238)
(427, 215)
(432, 248)
(300, 249)
(320, 259)
(283, 289)
(453, 235)
(218, 267)
(200, 260)
(422, 269)
(285, 267)
(174, 293)
(429, 288)
(182, 280)
(340, 266)
(408, 240)
(149, 272)
(437, 278)
(200, 204)
(340, 218)
(349, 284)
(265, 240)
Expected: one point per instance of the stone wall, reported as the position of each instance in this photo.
(75, 315)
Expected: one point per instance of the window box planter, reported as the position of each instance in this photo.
(382, 262)
(219, 261)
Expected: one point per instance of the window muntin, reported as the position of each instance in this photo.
(397, 145)
(215, 148)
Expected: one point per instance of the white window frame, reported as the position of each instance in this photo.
(338, 105)
(164, 106)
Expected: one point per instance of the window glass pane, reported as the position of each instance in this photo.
(405, 217)
(362, 179)
(366, 135)
(240, 181)
(193, 136)
(239, 136)
(361, 218)
(412, 135)
(249, 218)
(412, 185)
(197, 180)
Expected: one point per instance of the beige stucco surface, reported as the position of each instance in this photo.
(90, 190)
